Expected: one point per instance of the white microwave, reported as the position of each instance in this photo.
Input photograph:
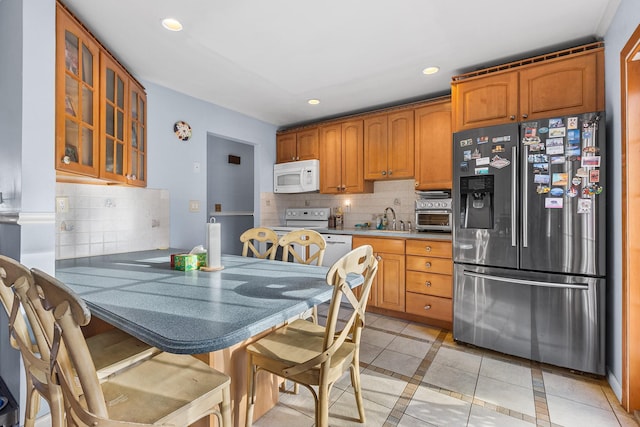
(296, 177)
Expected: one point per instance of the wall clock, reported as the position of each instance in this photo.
(182, 130)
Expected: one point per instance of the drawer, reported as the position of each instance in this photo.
(382, 245)
(431, 284)
(430, 306)
(432, 248)
(430, 265)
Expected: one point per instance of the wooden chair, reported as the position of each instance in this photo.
(111, 351)
(167, 389)
(314, 355)
(259, 234)
(311, 240)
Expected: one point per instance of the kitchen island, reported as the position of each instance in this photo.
(213, 315)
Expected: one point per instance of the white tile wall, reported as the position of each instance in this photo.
(400, 195)
(110, 219)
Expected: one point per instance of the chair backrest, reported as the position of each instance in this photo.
(12, 272)
(70, 313)
(360, 261)
(259, 234)
(311, 240)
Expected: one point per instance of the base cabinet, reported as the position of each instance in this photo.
(388, 288)
(430, 280)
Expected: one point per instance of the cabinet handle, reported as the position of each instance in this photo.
(512, 117)
(297, 158)
(427, 307)
(344, 187)
(427, 284)
(390, 172)
(293, 158)
(384, 173)
(427, 248)
(524, 116)
(378, 257)
(416, 183)
(338, 188)
(427, 264)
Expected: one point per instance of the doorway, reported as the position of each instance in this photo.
(630, 100)
(230, 189)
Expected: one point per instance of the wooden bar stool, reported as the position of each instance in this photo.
(167, 389)
(314, 355)
(259, 234)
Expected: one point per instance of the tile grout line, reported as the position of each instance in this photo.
(407, 394)
(540, 396)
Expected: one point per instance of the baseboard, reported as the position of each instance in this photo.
(616, 387)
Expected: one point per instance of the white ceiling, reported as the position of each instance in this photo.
(267, 58)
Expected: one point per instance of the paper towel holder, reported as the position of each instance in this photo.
(212, 220)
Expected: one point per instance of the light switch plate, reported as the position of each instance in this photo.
(62, 204)
(194, 205)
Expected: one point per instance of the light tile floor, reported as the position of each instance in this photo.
(415, 375)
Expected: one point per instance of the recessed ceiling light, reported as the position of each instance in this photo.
(172, 24)
(313, 101)
(430, 70)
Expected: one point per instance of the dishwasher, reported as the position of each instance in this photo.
(338, 245)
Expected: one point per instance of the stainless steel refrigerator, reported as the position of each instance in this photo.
(529, 240)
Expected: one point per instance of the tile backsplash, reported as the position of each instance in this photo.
(101, 219)
(400, 195)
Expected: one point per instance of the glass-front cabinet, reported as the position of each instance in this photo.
(100, 110)
(77, 81)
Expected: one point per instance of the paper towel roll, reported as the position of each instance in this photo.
(213, 244)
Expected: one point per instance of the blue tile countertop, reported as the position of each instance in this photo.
(194, 312)
(373, 232)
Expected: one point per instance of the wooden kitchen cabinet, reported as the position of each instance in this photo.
(556, 84)
(429, 287)
(100, 110)
(389, 146)
(77, 98)
(342, 159)
(433, 146)
(388, 288)
(294, 146)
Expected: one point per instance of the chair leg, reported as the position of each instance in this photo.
(32, 404)
(225, 407)
(355, 383)
(322, 407)
(56, 405)
(251, 391)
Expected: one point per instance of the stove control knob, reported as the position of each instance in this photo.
(429, 204)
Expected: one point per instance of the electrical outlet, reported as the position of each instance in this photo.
(62, 204)
(194, 205)
(196, 167)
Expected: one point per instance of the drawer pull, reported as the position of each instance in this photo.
(428, 248)
(427, 307)
(427, 264)
(427, 284)
(378, 257)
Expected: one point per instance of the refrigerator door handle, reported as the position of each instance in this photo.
(514, 195)
(525, 196)
(582, 286)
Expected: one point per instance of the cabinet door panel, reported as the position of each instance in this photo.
(307, 144)
(331, 159)
(568, 86)
(375, 147)
(401, 145)
(137, 170)
(352, 157)
(286, 148)
(391, 283)
(114, 84)
(433, 147)
(485, 101)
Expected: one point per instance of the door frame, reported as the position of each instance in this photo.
(630, 149)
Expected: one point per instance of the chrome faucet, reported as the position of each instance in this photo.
(393, 223)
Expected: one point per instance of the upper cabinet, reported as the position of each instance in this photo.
(389, 146)
(294, 146)
(342, 159)
(77, 88)
(100, 110)
(557, 84)
(433, 146)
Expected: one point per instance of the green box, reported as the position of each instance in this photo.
(202, 259)
(185, 262)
